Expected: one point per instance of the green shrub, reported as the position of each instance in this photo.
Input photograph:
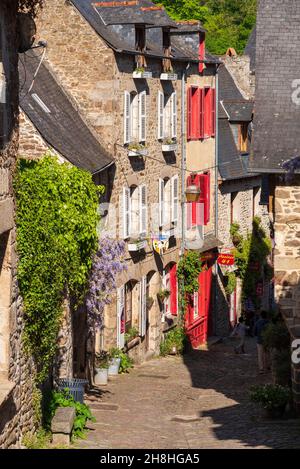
(282, 367)
(175, 338)
(131, 334)
(270, 396)
(276, 336)
(126, 363)
(64, 399)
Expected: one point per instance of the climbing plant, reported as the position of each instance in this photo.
(188, 270)
(56, 238)
(108, 261)
(251, 256)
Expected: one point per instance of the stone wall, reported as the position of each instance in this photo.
(287, 263)
(244, 200)
(16, 370)
(239, 67)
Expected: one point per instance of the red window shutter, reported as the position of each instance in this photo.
(173, 289)
(213, 112)
(207, 112)
(195, 113)
(189, 113)
(201, 52)
(205, 195)
(201, 112)
(188, 206)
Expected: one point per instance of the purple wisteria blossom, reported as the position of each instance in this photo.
(108, 262)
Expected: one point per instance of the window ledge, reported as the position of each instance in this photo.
(6, 387)
(132, 343)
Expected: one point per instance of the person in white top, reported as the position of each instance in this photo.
(240, 331)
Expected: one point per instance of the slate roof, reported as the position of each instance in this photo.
(112, 24)
(250, 49)
(277, 114)
(232, 108)
(56, 119)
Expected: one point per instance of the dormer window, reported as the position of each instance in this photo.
(201, 51)
(140, 45)
(167, 65)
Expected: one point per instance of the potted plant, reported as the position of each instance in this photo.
(163, 294)
(169, 145)
(131, 334)
(140, 72)
(101, 368)
(137, 149)
(114, 361)
(272, 397)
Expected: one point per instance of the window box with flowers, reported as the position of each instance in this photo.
(169, 145)
(136, 149)
(137, 245)
(141, 73)
(168, 76)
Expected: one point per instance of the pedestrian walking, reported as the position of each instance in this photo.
(263, 354)
(240, 331)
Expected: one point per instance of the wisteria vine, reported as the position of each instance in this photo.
(107, 263)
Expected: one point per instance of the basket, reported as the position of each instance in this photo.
(75, 386)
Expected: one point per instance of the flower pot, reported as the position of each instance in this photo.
(275, 412)
(101, 376)
(114, 366)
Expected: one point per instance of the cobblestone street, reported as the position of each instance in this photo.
(198, 401)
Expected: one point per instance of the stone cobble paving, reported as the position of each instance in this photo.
(198, 401)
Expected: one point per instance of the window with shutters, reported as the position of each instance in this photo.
(143, 307)
(198, 212)
(135, 212)
(128, 305)
(201, 107)
(174, 199)
(135, 117)
(165, 204)
(167, 116)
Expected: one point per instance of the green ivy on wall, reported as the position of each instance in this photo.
(188, 269)
(251, 253)
(56, 237)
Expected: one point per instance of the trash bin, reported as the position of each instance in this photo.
(74, 385)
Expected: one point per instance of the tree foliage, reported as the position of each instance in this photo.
(228, 22)
(56, 239)
(30, 6)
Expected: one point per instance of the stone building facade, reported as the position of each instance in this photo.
(276, 148)
(16, 369)
(97, 76)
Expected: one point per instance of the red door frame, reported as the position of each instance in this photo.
(198, 328)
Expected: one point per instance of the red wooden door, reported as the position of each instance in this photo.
(199, 309)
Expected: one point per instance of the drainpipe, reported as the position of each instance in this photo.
(216, 188)
(183, 174)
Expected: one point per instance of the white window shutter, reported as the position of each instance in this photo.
(143, 306)
(175, 198)
(161, 201)
(127, 118)
(142, 116)
(143, 210)
(121, 317)
(174, 115)
(126, 213)
(160, 114)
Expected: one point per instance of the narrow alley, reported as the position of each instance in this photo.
(198, 401)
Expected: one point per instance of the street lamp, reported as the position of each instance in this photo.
(192, 193)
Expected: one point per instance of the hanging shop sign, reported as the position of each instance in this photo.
(226, 259)
(160, 244)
